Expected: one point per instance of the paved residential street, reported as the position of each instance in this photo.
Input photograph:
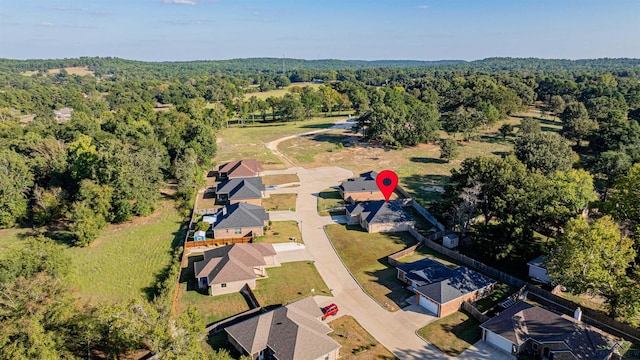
(395, 330)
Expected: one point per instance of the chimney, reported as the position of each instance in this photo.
(578, 314)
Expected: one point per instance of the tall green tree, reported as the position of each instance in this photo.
(16, 180)
(577, 124)
(547, 152)
(591, 257)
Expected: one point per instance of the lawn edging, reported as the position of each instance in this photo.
(349, 271)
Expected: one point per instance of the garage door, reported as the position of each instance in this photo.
(499, 341)
(429, 305)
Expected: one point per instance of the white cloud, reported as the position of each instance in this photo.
(422, 6)
(180, 2)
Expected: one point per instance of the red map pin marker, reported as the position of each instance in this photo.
(387, 181)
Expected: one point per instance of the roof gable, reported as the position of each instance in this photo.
(291, 332)
(233, 262)
(379, 212)
(524, 321)
(247, 167)
(240, 215)
(463, 281)
(241, 188)
(426, 271)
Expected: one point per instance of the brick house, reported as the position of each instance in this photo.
(379, 216)
(363, 188)
(240, 220)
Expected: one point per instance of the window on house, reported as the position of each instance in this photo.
(237, 231)
(223, 285)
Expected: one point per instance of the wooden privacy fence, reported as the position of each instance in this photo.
(393, 258)
(471, 310)
(589, 316)
(217, 242)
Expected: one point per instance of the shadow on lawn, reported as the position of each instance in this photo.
(427, 160)
(334, 139)
(387, 277)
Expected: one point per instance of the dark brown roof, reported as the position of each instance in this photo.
(291, 332)
(242, 168)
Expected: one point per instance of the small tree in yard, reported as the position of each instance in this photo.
(203, 226)
(448, 149)
(505, 130)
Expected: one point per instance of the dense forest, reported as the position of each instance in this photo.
(137, 126)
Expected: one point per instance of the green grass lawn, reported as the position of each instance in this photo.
(11, 237)
(281, 231)
(286, 283)
(126, 260)
(290, 282)
(452, 334)
(280, 202)
(305, 149)
(280, 179)
(423, 225)
(426, 252)
(365, 255)
(280, 92)
(356, 342)
(248, 142)
(327, 199)
(500, 292)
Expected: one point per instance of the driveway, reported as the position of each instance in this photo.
(396, 330)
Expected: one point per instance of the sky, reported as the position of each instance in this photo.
(178, 30)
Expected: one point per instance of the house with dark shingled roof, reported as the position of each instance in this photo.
(528, 329)
(291, 332)
(248, 190)
(380, 216)
(240, 220)
(363, 188)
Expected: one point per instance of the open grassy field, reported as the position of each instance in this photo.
(327, 199)
(281, 231)
(370, 267)
(280, 179)
(75, 70)
(280, 202)
(128, 259)
(452, 334)
(356, 342)
(279, 92)
(419, 168)
(248, 142)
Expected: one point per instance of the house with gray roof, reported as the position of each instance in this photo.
(380, 216)
(227, 269)
(249, 190)
(291, 332)
(441, 289)
(240, 220)
(423, 272)
(526, 328)
(363, 188)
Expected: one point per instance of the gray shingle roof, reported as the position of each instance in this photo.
(426, 271)
(379, 212)
(233, 262)
(241, 188)
(524, 321)
(463, 281)
(366, 182)
(291, 332)
(240, 215)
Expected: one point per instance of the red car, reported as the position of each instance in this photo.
(329, 310)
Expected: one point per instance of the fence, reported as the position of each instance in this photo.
(216, 327)
(393, 258)
(427, 215)
(589, 316)
(216, 242)
(471, 310)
